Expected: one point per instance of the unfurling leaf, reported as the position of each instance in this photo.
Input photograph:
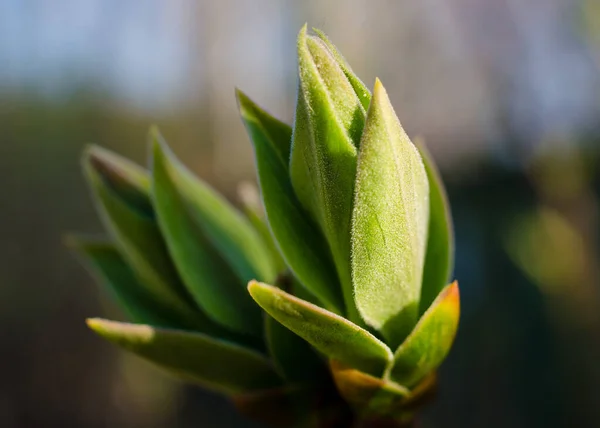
(187, 212)
(389, 224)
(302, 245)
(327, 128)
(214, 363)
(429, 343)
(440, 238)
(334, 336)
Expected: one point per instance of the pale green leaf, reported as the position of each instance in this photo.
(389, 224)
(439, 258)
(327, 128)
(195, 357)
(135, 230)
(362, 92)
(301, 244)
(183, 208)
(334, 336)
(429, 343)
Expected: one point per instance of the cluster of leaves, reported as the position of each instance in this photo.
(356, 242)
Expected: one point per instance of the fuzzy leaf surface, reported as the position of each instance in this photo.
(207, 275)
(327, 128)
(195, 357)
(362, 92)
(301, 243)
(389, 224)
(439, 258)
(429, 343)
(334, 336)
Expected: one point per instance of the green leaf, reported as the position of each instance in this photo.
(429, 343)
(389, 224)
(255, 213)
(362, 92)
(135, 231)
(227, 229)
(195, 357)
(334, 336)
(127, 180)
(188, 213)
(302, 245)
(107, 265)
(327, 128)
(439, 258)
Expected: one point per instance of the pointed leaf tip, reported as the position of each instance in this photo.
(389, 223)
(429, 343)
(329, 333)
(125, 179)
(217, 364)
(327, 127)
(362, 92)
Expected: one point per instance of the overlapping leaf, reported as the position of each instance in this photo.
(327, 128)
(334, 336)
(195, 357)
(186, 213)
(362, 92)
(226, 228)
(255, 213)
(135, 230)
(301, 244)
(429, 343)
(440, 238)
(389, 224)
(107, 264)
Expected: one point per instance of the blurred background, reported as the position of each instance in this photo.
(505, 92)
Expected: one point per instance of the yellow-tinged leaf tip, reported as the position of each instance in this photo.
(115, 330)
(451, 296)
(378, 89)
(94, 323)
(252, 285)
